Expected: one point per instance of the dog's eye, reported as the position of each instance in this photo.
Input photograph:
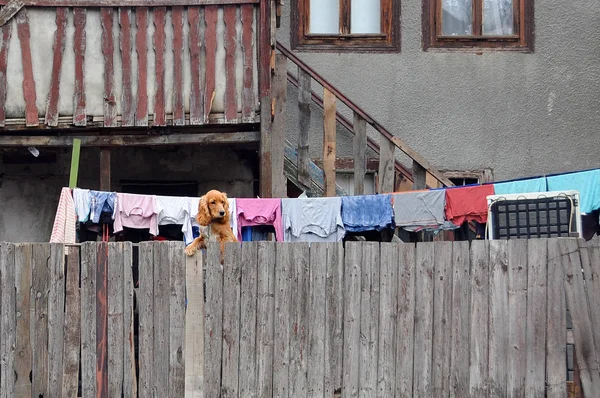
(213, 202)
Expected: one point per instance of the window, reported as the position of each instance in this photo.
(497, 24)
(346, 25)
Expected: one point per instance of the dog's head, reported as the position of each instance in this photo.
(213, 207)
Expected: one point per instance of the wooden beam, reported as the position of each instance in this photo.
(62, 15)
(210, 47)
(230, 40)
(127, 100)
(248, 106)
(6, 33)
(10, 10)
(127, 3)
(79, 43)
(304, 100)
(278, 131)
(29, 93)
(108, 51)
(265, 51)
(159, 65)
(360, 153)
(329, 141)
(74, 163)
(195, 44)
(105, 169)
(419, 176)
(141, 45)
(178, 103)
(386, 166)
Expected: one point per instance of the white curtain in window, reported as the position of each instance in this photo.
(457, 17)
(365, 16)
(498, 17)
(324, 17)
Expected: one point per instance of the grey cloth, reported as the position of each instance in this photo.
(312, 220)
(423, 210)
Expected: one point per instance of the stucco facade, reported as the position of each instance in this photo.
(518, 114)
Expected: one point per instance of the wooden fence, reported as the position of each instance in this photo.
(441, 319)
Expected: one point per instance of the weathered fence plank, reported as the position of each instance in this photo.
(461, 320)
(369, 320)
(536, 318)
(386, 366)
(146, 318)
(405, 321)
(39, 323)
(442, 318)
(88, 319)
(56, 318)
(248, 316)
(102, 320)
(8, 321)
(213, 321)
(478, 377)
(115, 319)
(265, 308)
(352, 286)
(591, 268)
(194, 326)
(498, 314)
(162, 324)
(298, 334)
(517, 311)
(316, 320)
(281, 356)
(334, 318)
(72, 324)
(129, 366)
(23, 361)
(176, 257)
(231, 320)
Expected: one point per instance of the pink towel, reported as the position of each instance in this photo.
(136, 211)
(252, 212)
(63, 230)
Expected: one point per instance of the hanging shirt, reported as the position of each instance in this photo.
(253, 212)
(312, 220)
(468, 203)
(521, 186)
(136, 211)
(422, 210)
(102, 203)
(586, 182)
(83, 203)
(63, 230)
(175, 210)
(367, 213)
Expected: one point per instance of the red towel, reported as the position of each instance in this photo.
(468, 203)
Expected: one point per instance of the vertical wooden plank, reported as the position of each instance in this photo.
(590, 259)
(141, 46)
(283, 322)
(6, 34)
(329, 141)
(88, 319)
(580, 314)
(304, 101)
(102, 320)
(195, 44)
(230, 42)
(248, 320)
(316, 320)
(56, 318)
(419, 176)
(62, 15)
(265, 53)
(79, 44)
(129, 366)
(405, 321)
(278, 127)
(265, 318)
(352, 285)
(146, 318)
(517, 312)
(556, 332)
(536, 318)
(162, 324)
(461, 319)
(210, 40)
(127, 100)
(299, 302)
(386, 165)
(39, 321)
(23, 264)
(29, 93)
(105, 169)
(194, 327)
(176, 257)
(442, 317)
(360, 153)
(213, 321)
(115, 318)
(424, 319)
(248, 106)
(386, 366)
(108, 51)
(178, 104)
(478, 369)
(334, 318)
(369, 320)
(498, 314)
(231, 320)
(159, 14)
(8, 319)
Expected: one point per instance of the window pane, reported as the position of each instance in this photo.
(325, 16)
(498, 17)
(365, 16)
(457, 17)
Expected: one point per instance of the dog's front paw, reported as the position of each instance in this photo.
(191, 250)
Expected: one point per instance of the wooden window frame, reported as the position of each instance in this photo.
(387, 41)
(523, 21)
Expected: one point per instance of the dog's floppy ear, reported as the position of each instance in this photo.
(203, 217)
(226, 207)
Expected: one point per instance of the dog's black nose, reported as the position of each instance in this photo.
(222, 213)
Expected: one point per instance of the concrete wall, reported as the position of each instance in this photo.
(29, 192)
(518, 114)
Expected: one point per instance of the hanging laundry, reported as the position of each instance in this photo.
(421, 210)
(468, 203)
(175, 210)
(233, 222)
(63, 230)
(83, 204)
(367, 213)
(312, 220)
(586, 182)
(252, 212)
(136, 211)
(521, 186)
(103, 203)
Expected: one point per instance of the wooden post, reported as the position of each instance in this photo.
(360, 154)
(419, 176)
(304, 100)
(265, 51)
(278, 128)
(74, 163)
(386, 165)
(105, 169)
(329, 146)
